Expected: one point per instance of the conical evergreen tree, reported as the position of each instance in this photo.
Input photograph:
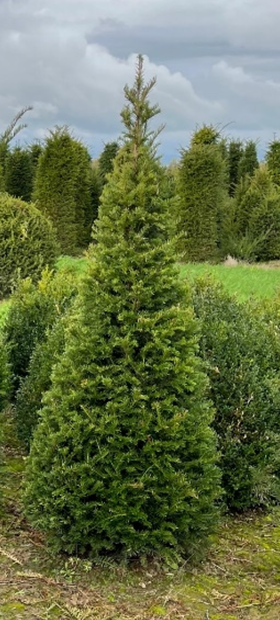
(235, 152)
(59, 190)
(123, 459)
(95, 188)
(273, 161)
(83, 196)
(249, 160)
(2, 180)
(106, 160)
(201, 189)
(18, 173)
(35, 150)
(205, 135)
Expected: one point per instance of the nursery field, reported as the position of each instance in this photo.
(261, 281)
(239, 579)
(244, 281)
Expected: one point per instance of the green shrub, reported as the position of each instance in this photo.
(33, 309)
(27, 242)
(38, 380)
(19, 174)
(242, 355)
(5, 378)
(123, 459)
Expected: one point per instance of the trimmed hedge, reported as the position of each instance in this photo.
(27, 242)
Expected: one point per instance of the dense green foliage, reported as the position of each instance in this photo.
(5, 378)
(2, 179)
(95, 188)
(54, 297)
(45, 355)
(62, 189)
(235, 152)
(201, 189)
(259, 187)
(33, 309)
(27, 242)
(257, 220)
(273, 161)
(129, 464)
(249, 161)
(106, 161)
(19, 174)
(242, 355)
(85, 210)
(207, 135)
(35, 150)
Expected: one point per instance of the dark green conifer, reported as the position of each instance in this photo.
(2, 180)
(106, 160)
(249, 161)
(84, 216)
(35, 150)
(235, 152)
(62, 188)
(19, 174)
(123, 459)
(95, 188)
(201, 189)
(273, 161)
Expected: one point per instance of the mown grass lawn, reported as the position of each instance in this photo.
(245, 281)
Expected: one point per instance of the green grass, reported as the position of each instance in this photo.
(69, 262)
(245, 281)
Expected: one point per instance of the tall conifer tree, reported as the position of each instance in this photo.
(201, 189)
(235, 152)
(106, 160)
(62, 189)
(19, 174)
(249, 161)
(273, 161)
(123, 459)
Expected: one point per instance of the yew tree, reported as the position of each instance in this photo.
(123, 459)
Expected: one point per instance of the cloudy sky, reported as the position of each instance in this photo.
(216, 61)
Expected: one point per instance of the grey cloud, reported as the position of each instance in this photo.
(216, 61)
